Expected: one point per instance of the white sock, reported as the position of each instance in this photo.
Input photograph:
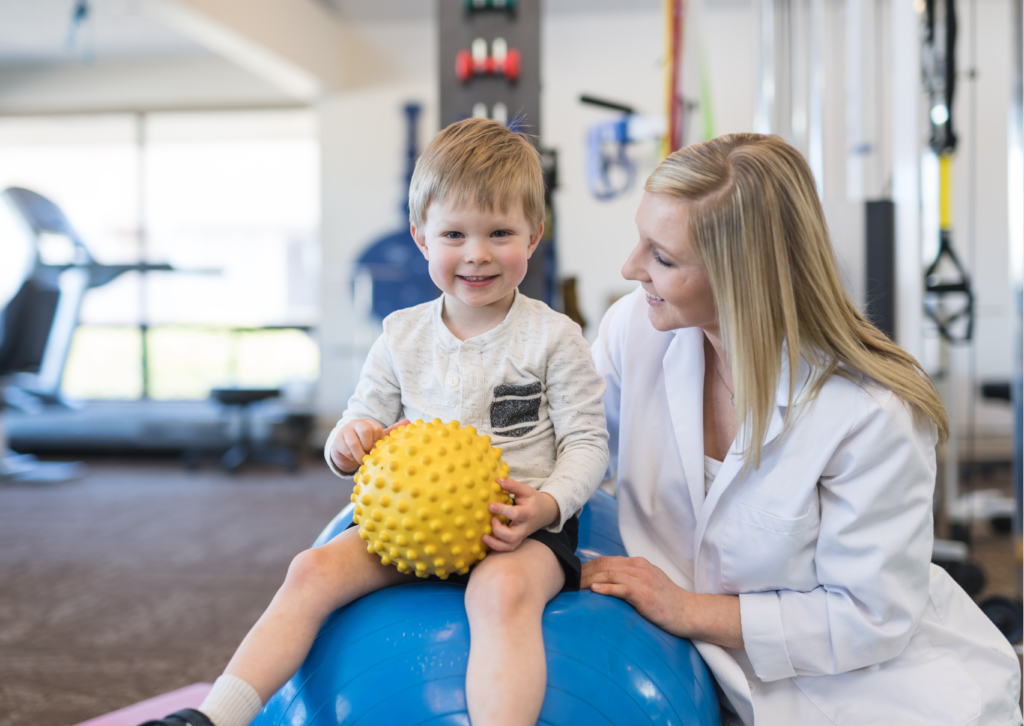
(231, 702)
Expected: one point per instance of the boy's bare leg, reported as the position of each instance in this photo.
(505, 600)
(319, 581)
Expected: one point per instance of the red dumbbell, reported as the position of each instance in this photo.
(463, 65)
(512, 65)
(477, 62)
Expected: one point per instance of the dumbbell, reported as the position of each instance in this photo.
(499, 113)
(476, 62)
(471, 6)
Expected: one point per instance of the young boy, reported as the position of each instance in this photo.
(486, 356)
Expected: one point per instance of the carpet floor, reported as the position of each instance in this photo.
(141, 578)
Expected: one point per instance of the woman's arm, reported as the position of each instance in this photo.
(711, 618)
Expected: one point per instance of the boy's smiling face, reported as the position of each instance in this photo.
(476, 256)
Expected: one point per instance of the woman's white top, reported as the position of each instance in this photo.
(711, 467)
(828, 544)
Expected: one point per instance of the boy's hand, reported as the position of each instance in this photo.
(532, 511)
(355, 440)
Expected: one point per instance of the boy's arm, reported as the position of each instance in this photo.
(377, 397)
(576, 408)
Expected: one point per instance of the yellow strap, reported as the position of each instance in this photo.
(946, 191)
(667, 12)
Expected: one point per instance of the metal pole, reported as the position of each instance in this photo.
(816, 97)
(764, 121)
(143, 238)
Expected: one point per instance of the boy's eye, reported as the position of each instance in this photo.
(452, 235)
(500, 233)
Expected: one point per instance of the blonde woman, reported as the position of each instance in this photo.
(776, 462)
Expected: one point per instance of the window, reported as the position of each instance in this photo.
(230, 199)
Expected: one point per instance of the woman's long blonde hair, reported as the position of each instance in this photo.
(759, 229)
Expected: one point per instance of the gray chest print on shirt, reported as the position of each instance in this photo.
(515, 409)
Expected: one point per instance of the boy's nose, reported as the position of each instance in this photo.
(477, 252)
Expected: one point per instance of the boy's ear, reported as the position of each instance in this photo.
(534, 241)
(421, 241)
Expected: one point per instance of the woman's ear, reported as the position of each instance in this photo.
(534, 241)
(421, 241)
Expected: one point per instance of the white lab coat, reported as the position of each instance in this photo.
(828, 544)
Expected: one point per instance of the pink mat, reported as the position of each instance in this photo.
(153, 708)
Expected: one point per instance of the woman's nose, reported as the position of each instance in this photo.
(633, 270)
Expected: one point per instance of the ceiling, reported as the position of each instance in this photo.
(37, 31)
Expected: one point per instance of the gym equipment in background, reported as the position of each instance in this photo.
(399, 656)
(45, 271)
(41, 318)
(610, 171)
(502, 61)
(396, 268)
(474, 6)
(52, 270)
(245, 448)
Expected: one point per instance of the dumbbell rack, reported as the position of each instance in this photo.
(478, 85)
(461, 23)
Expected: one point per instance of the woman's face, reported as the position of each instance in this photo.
(666, 265)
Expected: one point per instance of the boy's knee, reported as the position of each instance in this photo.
(308, 567)
(497, 590)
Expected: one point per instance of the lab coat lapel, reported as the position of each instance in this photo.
(684, 386)
(733, 464)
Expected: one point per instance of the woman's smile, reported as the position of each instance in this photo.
(653, 299)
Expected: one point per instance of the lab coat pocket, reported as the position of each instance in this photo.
(762, 551)
(919, 687)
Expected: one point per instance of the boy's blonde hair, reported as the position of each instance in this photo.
(478, 162)
(759, 229)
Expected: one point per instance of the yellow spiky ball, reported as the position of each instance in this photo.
(422, 497)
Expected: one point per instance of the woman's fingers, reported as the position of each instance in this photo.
(623, 577)
(622, 592)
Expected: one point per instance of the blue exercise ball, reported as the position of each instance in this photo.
(399, 656)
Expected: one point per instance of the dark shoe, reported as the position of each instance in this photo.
(184, 717)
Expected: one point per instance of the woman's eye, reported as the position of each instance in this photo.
(661, 261)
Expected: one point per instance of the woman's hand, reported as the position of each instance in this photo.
(531, 511)
(356, 440)
(712, 618)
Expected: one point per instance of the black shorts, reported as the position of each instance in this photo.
(563, 544)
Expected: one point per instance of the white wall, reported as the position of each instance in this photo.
(362, 136)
